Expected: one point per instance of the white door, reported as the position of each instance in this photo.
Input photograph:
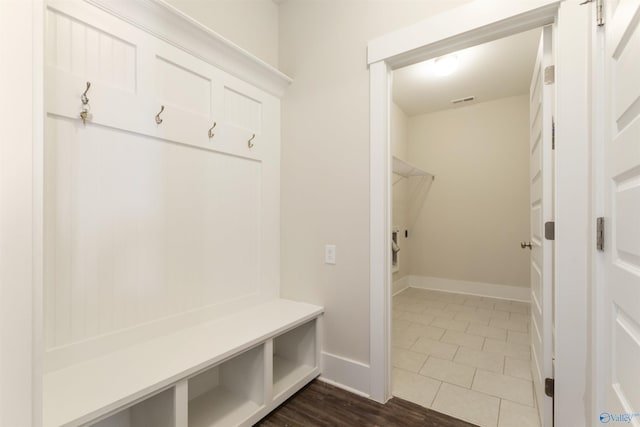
(622, 215)
(541, 196)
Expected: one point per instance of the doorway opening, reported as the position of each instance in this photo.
(461, 154)
(469, 25)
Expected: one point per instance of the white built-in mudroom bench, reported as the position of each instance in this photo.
(222, 373)
(161, 237)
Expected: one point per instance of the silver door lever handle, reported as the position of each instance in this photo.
(525, 245)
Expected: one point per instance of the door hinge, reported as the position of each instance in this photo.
(600, 233)
(550, 230)
(550, 75)
(599, 10)
(548, 386)
(553, 133)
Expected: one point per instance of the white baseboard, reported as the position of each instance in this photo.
(514, 293)
(399, 285)
(345, 373)
(343, 387)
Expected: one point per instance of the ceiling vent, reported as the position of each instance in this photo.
(461, 100)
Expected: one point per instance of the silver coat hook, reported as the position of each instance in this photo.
(250, 142)
(158, 119)
(84, 98)
(211, 130)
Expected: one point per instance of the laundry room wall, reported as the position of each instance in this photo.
(477, 211)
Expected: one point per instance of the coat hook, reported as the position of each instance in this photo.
(84, 98)
(158, 119)
(211, 130)
(250, 142)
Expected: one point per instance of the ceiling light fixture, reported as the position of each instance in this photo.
(445, 65)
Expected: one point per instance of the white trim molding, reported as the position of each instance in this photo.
(21, 121)
(169, 24)
(346, 374)
(475, 23)
(380, 232)
(491, 290)
(574, 213)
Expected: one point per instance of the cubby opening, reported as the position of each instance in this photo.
(294, 356)
(230, 393)
(155, 411)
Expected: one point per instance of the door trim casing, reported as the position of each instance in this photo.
(478, 22)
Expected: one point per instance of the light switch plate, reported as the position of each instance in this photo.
(329, 254)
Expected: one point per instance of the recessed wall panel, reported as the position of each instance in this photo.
(626, 352)
(88, 52)
(627, 88)
(242, 111)
(142, 229)
(627, 211)
(182, 88)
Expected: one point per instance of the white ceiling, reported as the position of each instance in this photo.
(488, 71)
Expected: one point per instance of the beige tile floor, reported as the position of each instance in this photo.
(465, 356)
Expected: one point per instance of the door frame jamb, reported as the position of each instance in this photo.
(478, 22)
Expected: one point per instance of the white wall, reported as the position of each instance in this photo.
(477, 210)
(16, 211)
(250, 24)
(325, 155)
(399, 148)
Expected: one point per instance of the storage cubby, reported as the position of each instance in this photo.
(156, 411)
(294, 356)
(230, 393)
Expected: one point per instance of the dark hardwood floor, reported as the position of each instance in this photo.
(320, 404)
